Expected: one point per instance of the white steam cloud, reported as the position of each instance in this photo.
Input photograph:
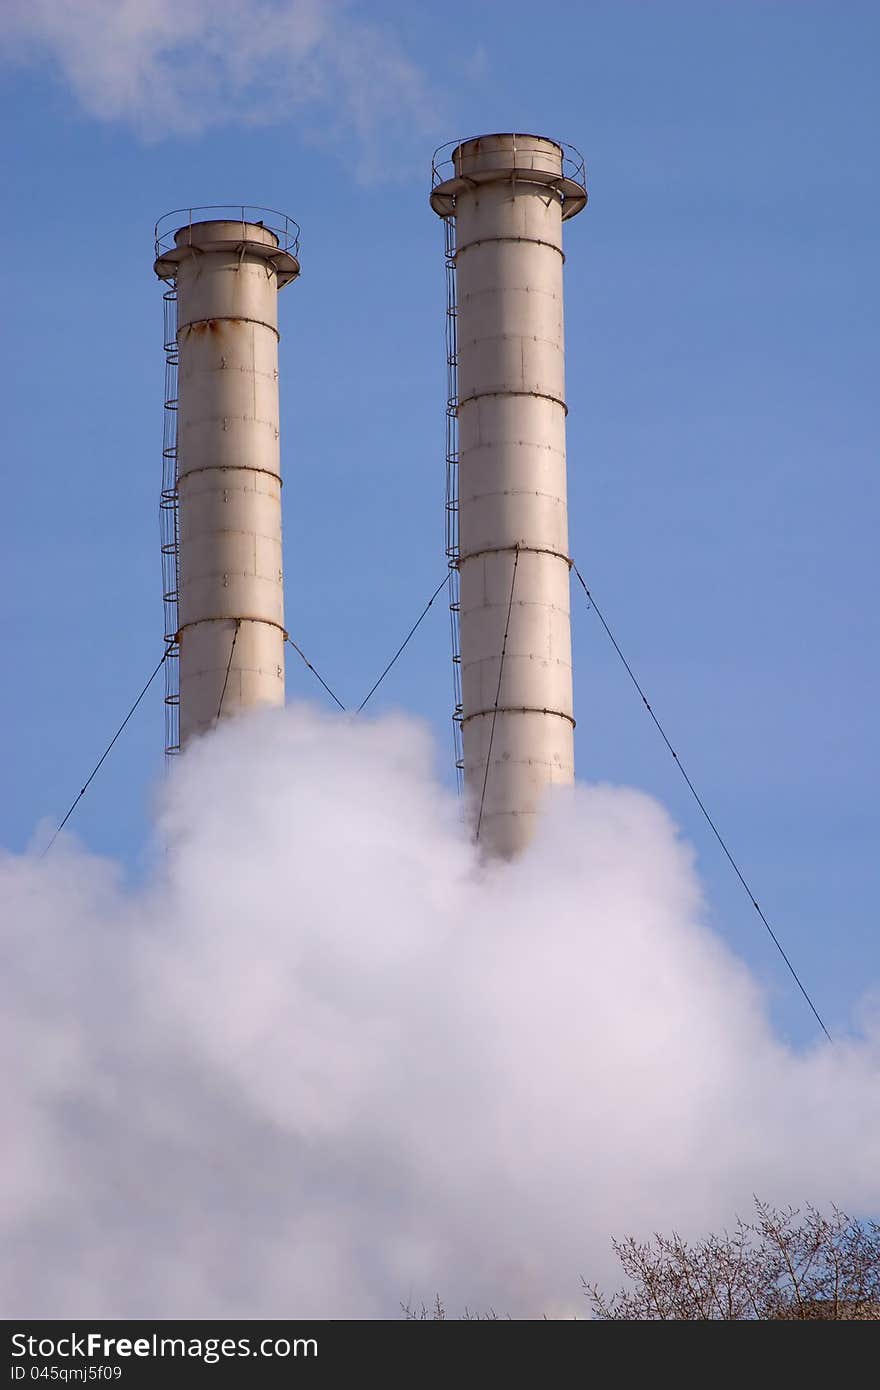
(324, 1062)
(172, 68)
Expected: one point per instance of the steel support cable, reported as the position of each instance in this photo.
(98, 765)
(695, 794)
(398, 653)
(168, 650)
(299, 651)
(497, 698)
(228, 669)
(404, 643)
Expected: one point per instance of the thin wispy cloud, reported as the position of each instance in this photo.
(167, 68)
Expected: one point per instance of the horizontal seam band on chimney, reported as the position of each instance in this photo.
(228, 318)
(538, 179)
(541, 395)
(232, 618)
(229, 468)
(528, 240)
(501, 549)
(519, 709)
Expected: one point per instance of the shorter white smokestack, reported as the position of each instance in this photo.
(231, 595)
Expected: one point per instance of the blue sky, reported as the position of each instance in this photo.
(721, 302)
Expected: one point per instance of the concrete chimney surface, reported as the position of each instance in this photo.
(509, 195)
(231, 597)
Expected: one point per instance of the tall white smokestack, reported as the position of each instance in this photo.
(508, 196)
(228, 480)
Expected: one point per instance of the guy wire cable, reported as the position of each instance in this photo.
(710, 822)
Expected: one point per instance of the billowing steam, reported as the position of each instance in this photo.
(171, 68)
(325, 1062)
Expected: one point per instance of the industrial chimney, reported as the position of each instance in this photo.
(222, 495)
(504, 199)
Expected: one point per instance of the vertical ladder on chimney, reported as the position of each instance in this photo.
(452, 455)
(169, 523)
